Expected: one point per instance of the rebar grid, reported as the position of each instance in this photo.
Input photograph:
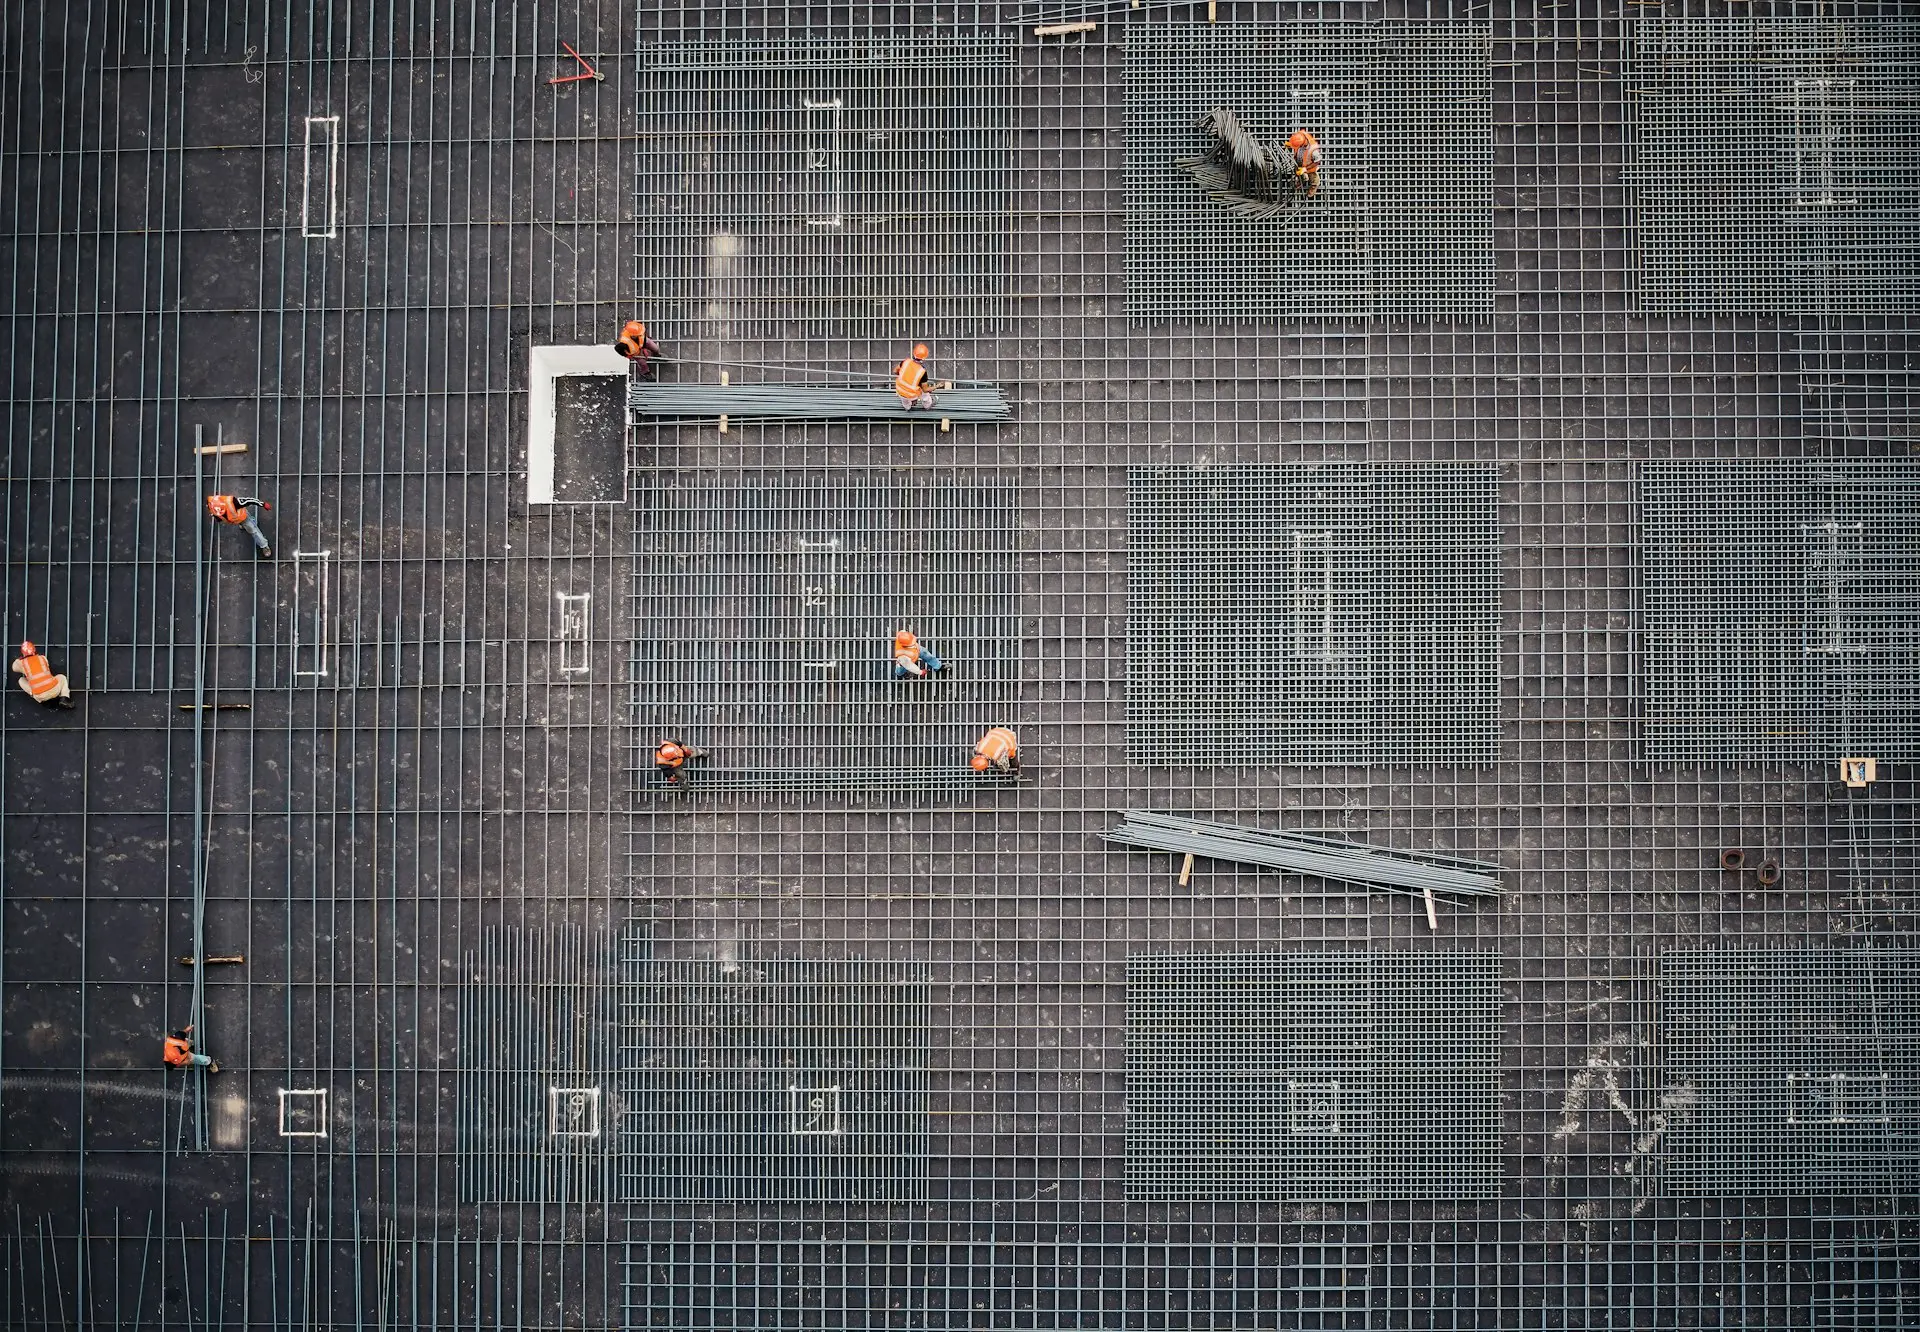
(359, 840)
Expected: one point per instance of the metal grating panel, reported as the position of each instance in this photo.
(1328, 1075)
(1778, 610)
(1353, 608)
(1795, 1070)
(776, 1081)
(832, 188)
(1773, 165)
(1404, 220)
(765, 606)
(535, 1066)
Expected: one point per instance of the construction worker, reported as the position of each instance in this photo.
(636, 346)
(673, 755)
(912, 657)
(178, 1051)
(910, 379)
(998, 750)
(38, 679)
(1306, 159)
(238, 510)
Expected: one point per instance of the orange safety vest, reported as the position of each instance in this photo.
(227, 508)
(669, 755)
(909, 654)
(178, 1052)
(909, 381)
(997, 746)
(38, 676)
(1309, 156)
(633, 339)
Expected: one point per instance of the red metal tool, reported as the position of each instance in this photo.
(591, 73)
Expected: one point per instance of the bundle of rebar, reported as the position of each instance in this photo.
(809, 402)
(1238, 172)
(1299, 853)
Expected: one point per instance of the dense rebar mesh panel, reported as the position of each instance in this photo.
(765, 605)
(775, 1081)
(1778, 604)
(827, 188)
(1345, 613)
(1860, 385)
(1313, 1075)
(1403, 223)
(1790, 1070)
(1773, 165)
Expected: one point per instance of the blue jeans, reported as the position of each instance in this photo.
(253, 530)
(927, 660)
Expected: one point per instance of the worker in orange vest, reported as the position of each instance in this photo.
(912, 657)
(178, 1052)
(238, 510)
(636, 346)
(910, 379)
(998, 750)
(672, 756)
(1306, 159)
(38, 679)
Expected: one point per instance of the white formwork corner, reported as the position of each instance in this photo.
(546, 364)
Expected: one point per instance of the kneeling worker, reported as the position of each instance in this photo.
(39, 681)
(673, 755)
(178, 1052)
(998, 750)
(910, 379)
(912, 657)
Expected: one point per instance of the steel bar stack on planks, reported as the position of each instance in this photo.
(802, 402)
(1297, 853)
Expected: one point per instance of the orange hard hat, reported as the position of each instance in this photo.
(639, 329)
(920, 352)
(1299, 139)
(979, 762)
(904, 638)
(26, 649)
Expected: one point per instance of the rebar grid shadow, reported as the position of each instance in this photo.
(1772, 165)
(1403, 221)
(1345, 613)
(1794, 1070)
(830, 188)
(1331, 1075)
(764, 611)
(756, 1080)
(1780, 610)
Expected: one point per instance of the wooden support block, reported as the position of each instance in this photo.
(1859, 772)
(1186, 869)
(1064, 29)
(723, 425)
(946, 425)
(1433, 920)
(221, 448)
(1213, 11)
(217, 707)
(725, 379)
(236, 960)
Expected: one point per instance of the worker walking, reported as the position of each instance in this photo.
(910, 379)
(38, 679)
(912, 657)
(636, 346)
(178, 1051)
(999, 750)
(238, 510)
(672, 756)
(1306, 159)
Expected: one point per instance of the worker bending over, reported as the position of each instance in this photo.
(636, 346)
(910, 379)
(672, 756)
(238, 510)
(38, 679)
(998, 750)
(178, 1052)
(912, 657)
(1306, 159)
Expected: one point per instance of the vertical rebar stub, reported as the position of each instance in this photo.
(320, 179)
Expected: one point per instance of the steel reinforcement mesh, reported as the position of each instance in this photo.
(330, 232)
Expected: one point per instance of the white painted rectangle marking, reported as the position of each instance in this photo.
(575, 617)
(312, 614)
(303, 1112)
(320, 179)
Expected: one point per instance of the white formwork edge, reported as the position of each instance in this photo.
(546, 364)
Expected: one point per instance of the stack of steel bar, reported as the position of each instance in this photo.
(808, 402)
(1345, 862)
